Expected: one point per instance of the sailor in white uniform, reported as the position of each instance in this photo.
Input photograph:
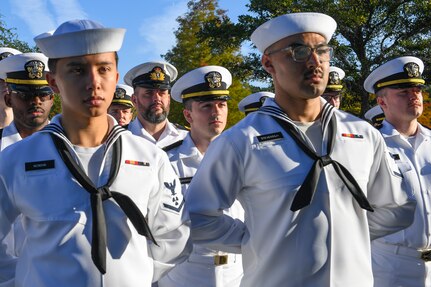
(100, 206)
(204, 94)
(31, 100)
(404, 258)
(316, 183)
(151, 82)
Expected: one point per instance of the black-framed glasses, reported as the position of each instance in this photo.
(27, 97)
(301, 53)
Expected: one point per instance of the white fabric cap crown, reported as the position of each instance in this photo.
(287, 25)
(375, 115)
(6, 52)
(254, 101)
(400, 72)
(80, 37)
(153, 75)
(24, 69)
(204, 83)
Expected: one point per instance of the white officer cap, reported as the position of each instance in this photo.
(401, 72)
(254, 101)
(375, 115)
(203, 84)
(6, 52)
(80, 37)
(334, 80)
(26, 72)
(123, 95)
(287, 25)
(24, 69)
(151, 75)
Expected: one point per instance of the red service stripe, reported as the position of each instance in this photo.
(134, 162)
(352, 136)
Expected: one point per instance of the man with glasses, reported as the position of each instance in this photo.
(31, 100)
(315, 183)
(332, 92)
(404, 258)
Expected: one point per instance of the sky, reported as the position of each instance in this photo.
(150, 24)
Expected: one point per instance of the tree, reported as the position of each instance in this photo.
(369, 33)
(191, 52)
(8, 38)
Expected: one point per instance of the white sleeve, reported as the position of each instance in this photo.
(7, 217)
(168, 223)
(393, 207)
(214, 188)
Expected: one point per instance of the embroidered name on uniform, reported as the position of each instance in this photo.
(134, 162)
(185, 180)
(353, 136)
(395, 156)
(269, 137)
(176, 203)
(37, 165)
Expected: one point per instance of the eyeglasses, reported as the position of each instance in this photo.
(301, 53)
(27, 97)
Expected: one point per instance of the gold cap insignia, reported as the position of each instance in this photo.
(412, 70)
(120, 93)
(213, 79)
(34, 69)
(334, 78)
(157, 74)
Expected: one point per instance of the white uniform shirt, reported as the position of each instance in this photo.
(169, 135)
(10, 135)
(324, 244)
(57, 215)
(15, 238)
(414, 163)
(199, 269)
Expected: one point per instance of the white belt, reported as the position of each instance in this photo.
(216, 260)
(424, 254)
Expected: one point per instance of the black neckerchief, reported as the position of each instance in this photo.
(98, 195)
(306, 192)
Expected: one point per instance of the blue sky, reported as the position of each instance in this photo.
(150, 24)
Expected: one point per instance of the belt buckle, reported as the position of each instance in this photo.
(222, 260)
(426, 255)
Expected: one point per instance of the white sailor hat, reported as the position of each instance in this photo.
(152, 75)
(334, 80)
(123, 95)
(26, 72)
(80, 37)
(375, 115)
(287, 25)
(254, 101)
(203, 84)
(401, 72)
(6, 52)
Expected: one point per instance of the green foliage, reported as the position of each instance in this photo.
(192, 51)
(56, 108)
(8, 38)
(369, 33)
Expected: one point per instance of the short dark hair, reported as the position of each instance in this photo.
(52, 63)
